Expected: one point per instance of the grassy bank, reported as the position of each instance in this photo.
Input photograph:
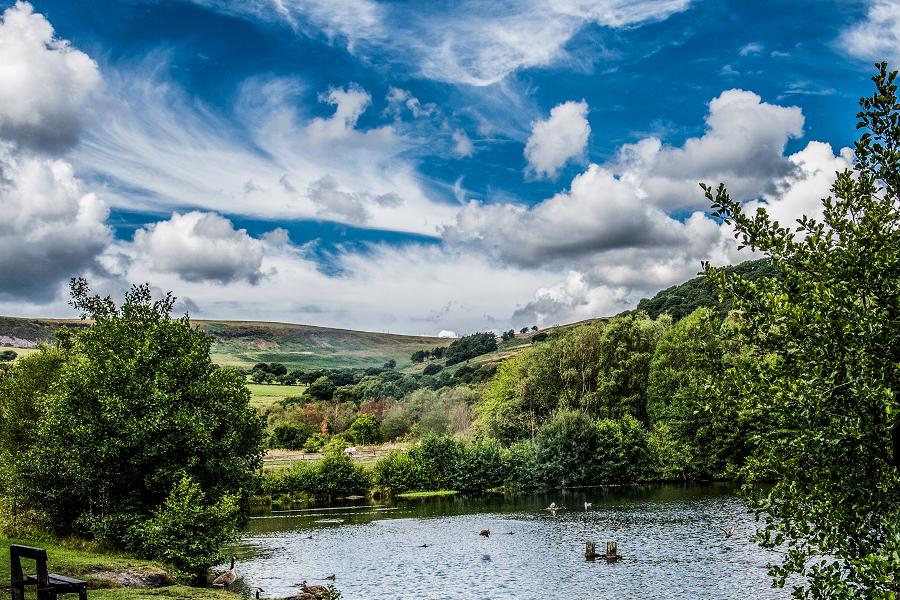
(83, 561)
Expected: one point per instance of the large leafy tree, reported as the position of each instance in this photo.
(826, 335)
(122, 413)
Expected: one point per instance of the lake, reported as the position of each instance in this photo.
(670, 536)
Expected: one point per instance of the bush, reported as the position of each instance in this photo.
(566, 448)
(365, 430)
(432, 369)
(290, 436)
(187, 531)
(315, 442)
(520, 470)
(479, 466)
(8, 355)
(334, 476)
(322, 389)
(398, 472)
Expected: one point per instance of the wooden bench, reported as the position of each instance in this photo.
(49, 585)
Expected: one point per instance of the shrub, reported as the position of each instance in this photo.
(520, 470)
(187, 531)
(315, 442)
(566, 446)
(479, 466)
(365, 430)
(398, 473)
(432, 369)
(290, 436)
(8, 355)
(334, 476)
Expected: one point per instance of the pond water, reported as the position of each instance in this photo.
(670, 536)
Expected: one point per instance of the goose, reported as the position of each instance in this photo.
(587, 505)
(227, 578)
(331, 577)
(258, 590)
(315, 590)
(485, 533)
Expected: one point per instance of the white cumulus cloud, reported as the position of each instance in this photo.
(51, 230)
(561, 137)
(45, 83)
(201, 247)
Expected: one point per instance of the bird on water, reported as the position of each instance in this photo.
(728, 532)
(587, 505)
(485, 533)
(227, 578)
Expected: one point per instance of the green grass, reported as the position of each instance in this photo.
(433, 494)
(263, 395)
(22, 352)
(79, 559)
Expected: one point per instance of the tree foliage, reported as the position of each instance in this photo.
(826, 338)
(118, 415)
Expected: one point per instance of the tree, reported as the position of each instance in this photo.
(826, 379)
(8, 355)
(127, 409)
(365, 430)
(322, 389)
(419, 356)
(523, 330)
(534, 327)
(391, 364)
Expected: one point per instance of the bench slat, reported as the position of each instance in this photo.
(57, 580)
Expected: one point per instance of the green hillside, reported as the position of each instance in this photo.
(244, 343)
(681, 300)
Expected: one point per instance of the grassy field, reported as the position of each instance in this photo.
(22, 352)
(263, 395)
(80, 560)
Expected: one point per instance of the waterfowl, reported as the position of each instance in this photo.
(227, 578)
(728, 532)
(587, 505)
(315, 590)
(331, 577)
(485, 533)
(258, 590)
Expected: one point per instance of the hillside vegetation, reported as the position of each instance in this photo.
(245, 343)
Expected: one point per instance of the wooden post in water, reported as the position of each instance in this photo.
(611, 549)
(590, 550)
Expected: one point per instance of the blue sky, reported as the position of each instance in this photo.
(408, 166)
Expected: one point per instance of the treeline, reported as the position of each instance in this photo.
(631, 371)
(681, 300)
(460, 350)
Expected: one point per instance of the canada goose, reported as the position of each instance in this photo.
(485, 532)
(728, 532)
(331, 577)
(587, 505)
(315, 590)
(258, 590)
(227, 578)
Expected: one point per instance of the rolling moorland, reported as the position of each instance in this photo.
(244, 343)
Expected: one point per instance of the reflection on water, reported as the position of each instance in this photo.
(671, 538)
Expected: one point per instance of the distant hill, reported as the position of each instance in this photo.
(244, 343)
(681, 300)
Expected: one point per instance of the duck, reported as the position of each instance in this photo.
(728, 532)
(331, 577)
(227, 578)
(485, 533)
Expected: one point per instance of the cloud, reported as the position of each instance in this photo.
(462, 144)
(558, 139)
(571, 300)
(52, 229)
(751, 48)
(446, 333)
(159, 148)
(877, 37)
(472, 42)
(45, 84)
(200, 247)
(743, 144)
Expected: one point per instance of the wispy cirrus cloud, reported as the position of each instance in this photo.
(472, 42)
